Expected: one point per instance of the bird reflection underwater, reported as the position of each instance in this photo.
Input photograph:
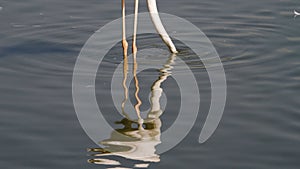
(138, 137)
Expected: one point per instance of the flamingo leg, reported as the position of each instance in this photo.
(152, 6)
(124, 41)
(136, 10)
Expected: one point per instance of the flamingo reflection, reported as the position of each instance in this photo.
(138, 137)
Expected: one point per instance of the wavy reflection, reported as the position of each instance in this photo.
(137, 89)
(125, 73)
(138, 138)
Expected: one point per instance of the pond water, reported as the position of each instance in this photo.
(257, 41)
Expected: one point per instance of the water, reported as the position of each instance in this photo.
(258, 42)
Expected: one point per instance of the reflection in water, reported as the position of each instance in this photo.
(136, 94)
(138, 138)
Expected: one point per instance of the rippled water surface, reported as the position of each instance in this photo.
(258, 43)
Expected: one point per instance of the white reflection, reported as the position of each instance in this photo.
(138, 138)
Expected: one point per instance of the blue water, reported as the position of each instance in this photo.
(258, 43)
